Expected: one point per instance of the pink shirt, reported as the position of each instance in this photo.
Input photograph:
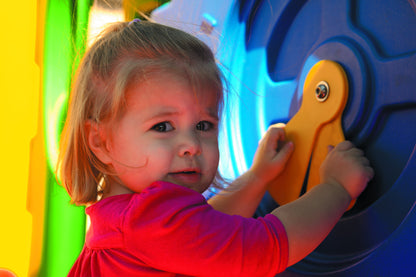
(170, 230)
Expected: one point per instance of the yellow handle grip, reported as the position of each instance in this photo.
(316, 125)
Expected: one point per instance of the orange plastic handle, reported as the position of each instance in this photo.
(316, 125)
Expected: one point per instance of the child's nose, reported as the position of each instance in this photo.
(189, 144)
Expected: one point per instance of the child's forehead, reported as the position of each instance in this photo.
(167, 84)
(170, 88)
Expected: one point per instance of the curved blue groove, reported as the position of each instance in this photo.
(280, 95)
(265, 16)
(392, 90)
(387, 24)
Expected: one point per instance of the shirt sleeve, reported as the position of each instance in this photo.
(172, 228)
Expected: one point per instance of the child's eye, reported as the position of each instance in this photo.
(204, 126)
(162, 127)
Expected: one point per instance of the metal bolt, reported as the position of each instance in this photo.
(322, 91)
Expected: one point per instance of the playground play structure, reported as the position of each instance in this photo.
(329, 69)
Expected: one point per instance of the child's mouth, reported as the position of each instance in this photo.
(186, 176)
(186, 172)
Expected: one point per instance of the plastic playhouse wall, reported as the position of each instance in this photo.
(41, 233)
(265, 49)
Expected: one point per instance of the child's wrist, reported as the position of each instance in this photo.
(340, 190)
(256, 178)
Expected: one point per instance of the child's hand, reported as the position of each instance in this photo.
(347, 166)
(272, 154)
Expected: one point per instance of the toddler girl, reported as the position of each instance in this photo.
(140, 146)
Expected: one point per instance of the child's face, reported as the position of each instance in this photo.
(168, 133)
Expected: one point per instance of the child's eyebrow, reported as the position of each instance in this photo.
(213, 113)
(164, 112)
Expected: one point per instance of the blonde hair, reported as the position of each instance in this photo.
(124, 54)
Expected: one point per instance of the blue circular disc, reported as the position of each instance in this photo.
(275, 44)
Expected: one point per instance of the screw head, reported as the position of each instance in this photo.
(322, 91)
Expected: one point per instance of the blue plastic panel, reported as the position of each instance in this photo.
(266, 50)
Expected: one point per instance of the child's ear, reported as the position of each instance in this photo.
(97, 141)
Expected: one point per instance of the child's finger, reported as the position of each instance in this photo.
(276, 136)
(278, 125)
(356, 152)
(285, 152)
(365, 161)
(370, 173)
(277, 132)
(345, 145)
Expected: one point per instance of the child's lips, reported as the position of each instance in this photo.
(186, 176)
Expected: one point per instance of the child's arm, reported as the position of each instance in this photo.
(308, 220)
(248, 190)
